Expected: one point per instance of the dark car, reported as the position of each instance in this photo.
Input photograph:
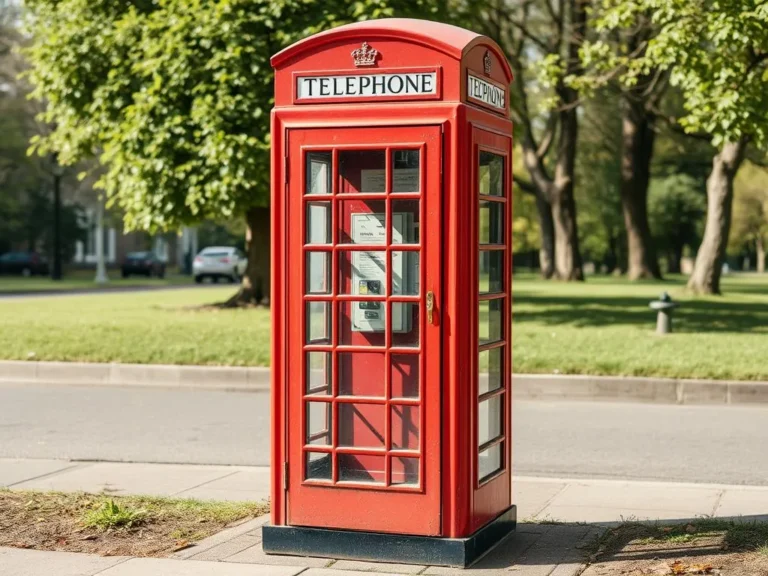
(143, 264)
(24, 263)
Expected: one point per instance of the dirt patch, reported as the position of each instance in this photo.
(114, 526)
(704, 547)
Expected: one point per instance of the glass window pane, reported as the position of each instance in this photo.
(318, 466)
(363, 222)
(318, 423)
(490, 321)
(405, 171)
(490, 370)
(405, 324)
(363, 273)
(491, 265)
(405, 273)
(362, 323)
(491, 223)
(405, 375)
(318, 377)
(318, 223)
(365, 468)
(318, 269)
(319, 173)
(490, 415)
(361, 374)
(405, 222)
(318, 323)
(362, 171)
(405, 427)
(405, 471)
(489, 461)
(361, 425)
(491, 174)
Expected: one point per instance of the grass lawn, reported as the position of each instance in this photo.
(113, 525)
(158, 327)
(603, 326)
(83, 279)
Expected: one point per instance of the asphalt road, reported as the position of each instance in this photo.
(564, 439)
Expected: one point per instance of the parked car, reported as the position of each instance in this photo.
(24, 263)
(143, 264)
(217, 262)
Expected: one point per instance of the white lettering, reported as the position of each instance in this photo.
(367, 85)
(486, 92)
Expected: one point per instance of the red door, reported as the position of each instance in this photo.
(363, 348)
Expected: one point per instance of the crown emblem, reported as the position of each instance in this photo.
(487, 62)
(365, 55)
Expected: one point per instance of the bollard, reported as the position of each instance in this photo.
(664, 306)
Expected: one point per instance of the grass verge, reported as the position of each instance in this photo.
(601, 327)
(705, 546)
(83, 280)
(113, 525)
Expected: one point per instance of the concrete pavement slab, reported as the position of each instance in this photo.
(533, 495)
(243, 485)
(376, 567)
(251, 527)
(255, 555)
(14, 470)
(334, 572)
(745, 502)
(125, 478)
(612, 501)
(167, 567)
(18, 562)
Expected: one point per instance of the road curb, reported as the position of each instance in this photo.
(525, 386)
(636, 389)
(166, 376)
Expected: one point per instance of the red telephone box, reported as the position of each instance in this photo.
(391, 284)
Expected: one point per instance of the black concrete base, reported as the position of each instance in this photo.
(380, 547)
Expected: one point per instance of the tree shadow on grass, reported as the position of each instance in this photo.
(697, 316)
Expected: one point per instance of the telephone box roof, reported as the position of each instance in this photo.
(446, 38)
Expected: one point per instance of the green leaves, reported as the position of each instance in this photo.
(173, 96)
(716, 52)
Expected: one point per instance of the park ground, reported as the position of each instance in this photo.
(601, 327)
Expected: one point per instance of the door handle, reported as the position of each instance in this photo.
(430, 306)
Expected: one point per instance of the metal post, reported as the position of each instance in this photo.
(56, 269)
(101, 271)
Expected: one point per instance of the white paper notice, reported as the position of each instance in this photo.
(403, 180)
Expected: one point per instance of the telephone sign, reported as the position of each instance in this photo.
(391, 320)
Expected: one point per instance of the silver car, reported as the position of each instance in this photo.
(217, 262)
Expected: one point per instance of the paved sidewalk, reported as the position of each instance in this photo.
(538, 548)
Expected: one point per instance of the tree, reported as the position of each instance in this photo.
(716, 52)
(750, 213)
(173, 97)
(676, 207)
(538, 36)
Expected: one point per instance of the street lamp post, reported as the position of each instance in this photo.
(101, 269)
(57, 173)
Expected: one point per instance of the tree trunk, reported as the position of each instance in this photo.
(254, 288)
(760, 249)
(705, 278)
(636, 153)
(568, 265)
(675, 255)
(547, 229)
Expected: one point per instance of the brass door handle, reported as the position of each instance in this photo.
(430, 306)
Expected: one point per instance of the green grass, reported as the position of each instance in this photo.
(603, 326)
(110, 514)
(162, 327)
(83, 279)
